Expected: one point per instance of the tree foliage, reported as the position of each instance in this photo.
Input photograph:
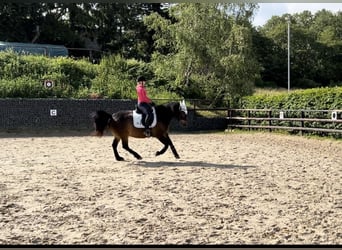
(204, 50)
(315, 49)
(109, 27)
(197, 50)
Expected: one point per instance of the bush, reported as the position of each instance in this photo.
(115, 77)
(13, 65)
(24, 75)
(28, 88)
(313, 99)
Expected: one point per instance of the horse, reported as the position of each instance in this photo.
(120, 124)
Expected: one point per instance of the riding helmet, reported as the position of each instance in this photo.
(141, 79)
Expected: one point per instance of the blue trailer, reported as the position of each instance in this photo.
(35, 48)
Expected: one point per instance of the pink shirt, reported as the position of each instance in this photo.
(142, 95)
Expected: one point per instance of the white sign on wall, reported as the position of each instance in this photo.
(53, 112)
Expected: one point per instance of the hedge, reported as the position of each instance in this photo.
(308, 99)
(24, 75)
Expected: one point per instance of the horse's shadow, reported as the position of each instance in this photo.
(201, 164)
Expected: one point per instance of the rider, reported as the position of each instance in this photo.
(144, 104)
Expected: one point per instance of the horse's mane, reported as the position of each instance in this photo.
(165, 112)
(173, 106)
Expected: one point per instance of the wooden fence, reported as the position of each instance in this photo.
(314, 121)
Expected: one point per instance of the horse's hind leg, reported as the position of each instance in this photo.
(167, 142)
(115, 149)
(125, 146)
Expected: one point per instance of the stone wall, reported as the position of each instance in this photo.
(74, 114)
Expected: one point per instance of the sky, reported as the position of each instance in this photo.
(267, 10)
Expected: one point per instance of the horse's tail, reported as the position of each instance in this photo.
(101, 121)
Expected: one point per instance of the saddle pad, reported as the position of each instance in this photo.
(137, 119)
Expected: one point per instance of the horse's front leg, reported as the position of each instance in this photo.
(166, 145)
(115, 149)
(167, 142)
(125, 146)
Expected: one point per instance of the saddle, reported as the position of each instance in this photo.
(137, 115)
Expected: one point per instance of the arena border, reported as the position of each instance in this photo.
(51, 115)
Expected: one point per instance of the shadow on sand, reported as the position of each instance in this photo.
(200, 164)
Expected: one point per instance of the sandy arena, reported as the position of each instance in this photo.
(247, 188)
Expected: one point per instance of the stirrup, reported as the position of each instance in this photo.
(147, 132)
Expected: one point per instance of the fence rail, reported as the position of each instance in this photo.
(320, 121)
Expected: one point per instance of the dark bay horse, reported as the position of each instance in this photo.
(121, 126)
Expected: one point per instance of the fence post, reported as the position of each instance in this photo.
(248, 120)
(302, 123)
(270, 121)
(229, 116)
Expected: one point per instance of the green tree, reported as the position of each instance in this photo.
(204, 50)
(39, 23)
(120, 28)
(315, 49)
(327, 28)
(18, 21)
(111, 27)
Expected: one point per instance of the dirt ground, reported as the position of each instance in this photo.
(252, 188)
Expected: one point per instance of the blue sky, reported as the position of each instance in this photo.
(267, 10)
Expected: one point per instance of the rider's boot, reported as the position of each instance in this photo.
(147, 132)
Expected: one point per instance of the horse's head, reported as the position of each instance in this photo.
(171, 110)
(183, 113)
(101, 120)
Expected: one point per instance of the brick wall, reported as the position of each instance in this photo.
(74, 114)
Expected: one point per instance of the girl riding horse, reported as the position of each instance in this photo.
(121, 126)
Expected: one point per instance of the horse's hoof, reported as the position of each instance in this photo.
(177, 156)
(120, 159)
(158, 153)
(139, 158)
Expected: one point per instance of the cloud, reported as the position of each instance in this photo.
(267, 10)
(313, 7)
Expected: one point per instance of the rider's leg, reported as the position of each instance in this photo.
(144, 107)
